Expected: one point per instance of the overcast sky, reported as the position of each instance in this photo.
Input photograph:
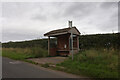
(30, 20)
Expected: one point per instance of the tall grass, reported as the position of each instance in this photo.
(100, 63)
(24, 53)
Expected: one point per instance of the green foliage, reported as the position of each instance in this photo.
(46, 65)
(25, 44)
(94, 63)
(99, 41)
(39, 52)
(14, 55)
(86, 42)
(24, 53)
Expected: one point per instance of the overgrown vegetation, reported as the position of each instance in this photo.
(101, 63)
(24, 53)
(86, 42)
(46, 65)
(27, 44)
(98, 56)
(100, 41)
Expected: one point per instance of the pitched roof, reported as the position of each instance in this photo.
(63, 31)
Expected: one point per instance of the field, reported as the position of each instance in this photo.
(94, 63)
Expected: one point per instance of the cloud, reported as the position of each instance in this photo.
(108, 5)
(119, 17)
(30, 20)
(79, 9)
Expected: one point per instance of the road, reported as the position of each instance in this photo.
(19, 69)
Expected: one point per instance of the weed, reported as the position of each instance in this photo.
(46, 65)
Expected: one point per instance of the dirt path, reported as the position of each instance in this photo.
(52, 60)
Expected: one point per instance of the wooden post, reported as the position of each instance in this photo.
(71, 36)
(48, 45)
(72, 42)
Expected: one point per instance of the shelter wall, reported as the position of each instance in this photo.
(63, 40)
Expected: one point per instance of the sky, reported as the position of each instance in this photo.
(31, 20)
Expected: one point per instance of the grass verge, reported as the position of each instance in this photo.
(23, 53)
(100, 63)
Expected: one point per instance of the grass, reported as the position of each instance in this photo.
(0, 51)
(100, 63)
(46, 65)
(23, 53)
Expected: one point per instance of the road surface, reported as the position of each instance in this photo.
(18, 69)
